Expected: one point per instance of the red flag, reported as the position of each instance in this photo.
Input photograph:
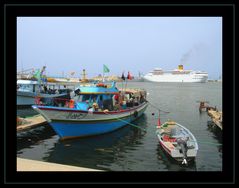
(129, 77)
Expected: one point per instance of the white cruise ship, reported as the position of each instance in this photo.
(176, 75)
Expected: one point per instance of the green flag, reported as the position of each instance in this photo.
(106, 69)
(37, 75)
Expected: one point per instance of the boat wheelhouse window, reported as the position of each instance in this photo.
(84, 98)
(26, 87)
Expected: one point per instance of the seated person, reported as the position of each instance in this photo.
(95, 106)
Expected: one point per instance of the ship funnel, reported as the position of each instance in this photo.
(180, 67)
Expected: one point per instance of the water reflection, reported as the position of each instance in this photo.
(130, 148)
(25, 139)
(217, 134)
(93, 152)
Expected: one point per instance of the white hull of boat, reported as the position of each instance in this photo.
(191, 153)
(28, 98)
(173, 151)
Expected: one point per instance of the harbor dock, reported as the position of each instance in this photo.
(29, 122)
(33, 165)
(216, 117)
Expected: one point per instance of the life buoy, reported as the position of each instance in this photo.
(135, 114)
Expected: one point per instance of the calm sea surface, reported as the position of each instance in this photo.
(131, 149)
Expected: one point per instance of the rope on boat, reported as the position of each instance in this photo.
(157, 107)
(128, 123)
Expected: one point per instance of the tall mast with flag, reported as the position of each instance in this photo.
(129, 77)
(105, 70)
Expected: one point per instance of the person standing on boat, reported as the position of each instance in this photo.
(45, 89)
(116, 98)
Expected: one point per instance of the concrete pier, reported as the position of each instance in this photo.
(33, 165)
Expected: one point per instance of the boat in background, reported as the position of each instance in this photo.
(177, 141)
(176, 75)
(28, 91)
(94, 109)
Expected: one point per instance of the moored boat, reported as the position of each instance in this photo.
(177, 141)
(94, 109)
(29, 90)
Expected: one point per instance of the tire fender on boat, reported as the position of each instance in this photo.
(135, 113)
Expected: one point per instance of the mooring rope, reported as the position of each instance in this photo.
(157, 107)
(128, 123)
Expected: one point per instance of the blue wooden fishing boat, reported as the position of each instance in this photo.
(94, 109)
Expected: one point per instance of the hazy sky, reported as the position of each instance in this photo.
(135, 44)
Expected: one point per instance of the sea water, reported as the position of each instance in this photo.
(130, 148)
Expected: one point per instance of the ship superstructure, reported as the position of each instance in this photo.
(176, 75)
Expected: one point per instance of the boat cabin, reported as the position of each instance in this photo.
(27, 86)
(108, 98)
(31, 86)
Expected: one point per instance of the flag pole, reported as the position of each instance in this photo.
(128, 77)
(123, 79)
(126, 84)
